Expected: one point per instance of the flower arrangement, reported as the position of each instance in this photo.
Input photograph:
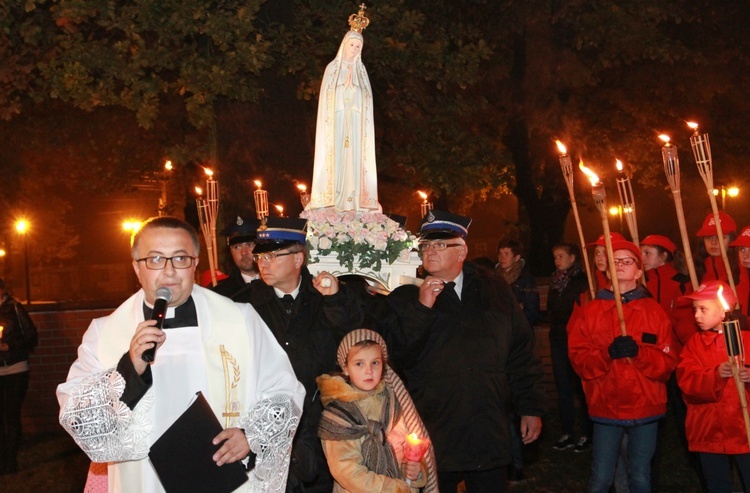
(369, 237)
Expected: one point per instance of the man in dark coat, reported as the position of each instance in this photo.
(309, 316)
(241, 240)
(467, 354)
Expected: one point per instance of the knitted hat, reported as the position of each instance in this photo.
(357, 336)
(709, 225)
(662, 241)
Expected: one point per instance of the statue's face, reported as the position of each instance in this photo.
(352, 48)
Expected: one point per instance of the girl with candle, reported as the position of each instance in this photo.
(568, 283)
(714, 414)
(623, 376)
(368, 414)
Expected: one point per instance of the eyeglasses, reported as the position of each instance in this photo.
(159, 263)
(438, 246)
(270, 256)
(628, 261)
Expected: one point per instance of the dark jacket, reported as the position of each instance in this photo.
(310, 337)
(560, 303)
(233, 287)
(465, 362)
(19, 332)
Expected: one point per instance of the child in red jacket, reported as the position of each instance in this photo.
(715, 426)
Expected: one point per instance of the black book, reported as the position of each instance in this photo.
(182, 456)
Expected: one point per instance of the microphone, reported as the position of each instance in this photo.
(163, 298)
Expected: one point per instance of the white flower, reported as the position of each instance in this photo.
(325, 243)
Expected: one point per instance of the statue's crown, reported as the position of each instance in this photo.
(358, 22)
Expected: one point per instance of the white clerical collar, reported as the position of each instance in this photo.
(247, 278)
(280, 293)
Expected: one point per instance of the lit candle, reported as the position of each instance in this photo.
(1, 331)
(261, 200)
(425, 206)
(415, 447)
(280, 208)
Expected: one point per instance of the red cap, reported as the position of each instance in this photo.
(661, 241)
(612, 236)
(743, 240)
(710, 291)
(709, 225)
(630, 246)
(206, 277)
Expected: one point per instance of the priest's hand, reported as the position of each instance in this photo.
(146, 334)
(234, 448)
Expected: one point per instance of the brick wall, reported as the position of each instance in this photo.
(60, 334)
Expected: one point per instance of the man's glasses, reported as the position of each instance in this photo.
(438, 246)
(628, 261)
(270, 256)
(158, 262)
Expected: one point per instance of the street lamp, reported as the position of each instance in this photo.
(22, 226)
(732, 192)
(163, 202)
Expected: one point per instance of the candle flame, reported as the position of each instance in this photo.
(168, 165)
(618, 164)
(722, 300)
(422, 195)
(589, 174)
(279, 208)
(665, 138)
(561, 147)
(692, 125)
(209, 172)
(302, 188)
(257, 184)
(199, 190)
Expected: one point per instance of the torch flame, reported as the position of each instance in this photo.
(722, 300)
(208, 171)
(665, 138)
(589, 174)
(301, 187)
(561, 147)
(199, 190)
(618, 164)
(257, 183)
(692, 125)
(422, 195)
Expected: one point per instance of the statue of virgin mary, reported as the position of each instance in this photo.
(344, 172)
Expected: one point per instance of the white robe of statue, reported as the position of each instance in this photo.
(345, 173)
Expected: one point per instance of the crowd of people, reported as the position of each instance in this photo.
(323, 385)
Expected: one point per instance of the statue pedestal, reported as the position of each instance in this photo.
(388, 277)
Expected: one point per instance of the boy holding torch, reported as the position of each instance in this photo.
(717, 422)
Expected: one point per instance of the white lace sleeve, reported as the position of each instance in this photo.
(270, 428)
(102, 425)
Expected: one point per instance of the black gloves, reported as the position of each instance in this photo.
(623, 347)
